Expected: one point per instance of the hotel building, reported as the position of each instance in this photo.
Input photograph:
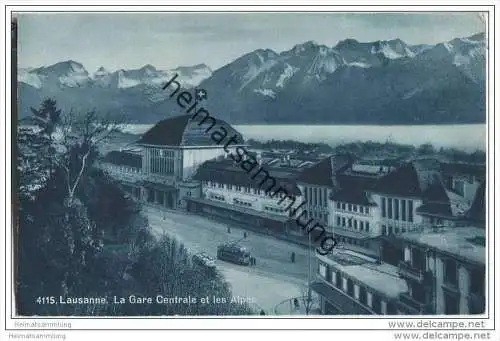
(375, 208)
(444, 268)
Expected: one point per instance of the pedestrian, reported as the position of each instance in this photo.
(244, 234)
(292, 257)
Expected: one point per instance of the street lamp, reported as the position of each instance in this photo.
(309, 270)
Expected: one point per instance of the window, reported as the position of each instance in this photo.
(305, 193)
(450, 272)
(355, 224)
(350, 207)
(362, 295)
(367, 210)
(384, 230)
(325, 197)
(418, 259)
(450, 304)
(338, 220)
(315, 196)
(332, 276)
(383, 208)
(338, 205)
(350, 287)
(403, 210)
(338, 280)
(350, 222)
(361, 226)
(376, 304)
(367, 227)
(343, 206)
(355, 207)
(389, 208)
(322, 270)
(410, 210)
(343, 221)
(320, 197)
(396, 209)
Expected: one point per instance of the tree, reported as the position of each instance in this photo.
(47, 117)
(55, 237)
(80, 135)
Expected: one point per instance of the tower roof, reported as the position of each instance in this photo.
(185, 131)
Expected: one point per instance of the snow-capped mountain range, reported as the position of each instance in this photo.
(386, 82)
(72, 74)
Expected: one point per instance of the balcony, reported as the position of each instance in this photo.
(413, 307)
(407, 271)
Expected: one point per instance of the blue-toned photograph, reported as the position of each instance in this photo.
(262, 163)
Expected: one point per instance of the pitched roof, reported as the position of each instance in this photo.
(436, 209)
(321, 173)
(420, 178)
(352, 188)
(123, 159)
(228, 172)
(185, 131)
(477, 211)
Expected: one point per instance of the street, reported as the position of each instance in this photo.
(272, 280)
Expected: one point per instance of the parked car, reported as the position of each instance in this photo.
(204, 260)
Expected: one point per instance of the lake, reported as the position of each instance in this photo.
(468, 137)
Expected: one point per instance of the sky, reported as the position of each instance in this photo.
(168, 40)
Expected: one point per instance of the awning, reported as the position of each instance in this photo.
(158, 186)
(351, 234)
(242, 210)
(344, 303)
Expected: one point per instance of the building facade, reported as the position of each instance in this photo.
(349, 283)
(445, 271)
(233, 194)
(171, 153)
(126, 167)
(316, 185)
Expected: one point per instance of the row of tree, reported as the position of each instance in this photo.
(78, 234)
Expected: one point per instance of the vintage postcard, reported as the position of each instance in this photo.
(305, 165)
